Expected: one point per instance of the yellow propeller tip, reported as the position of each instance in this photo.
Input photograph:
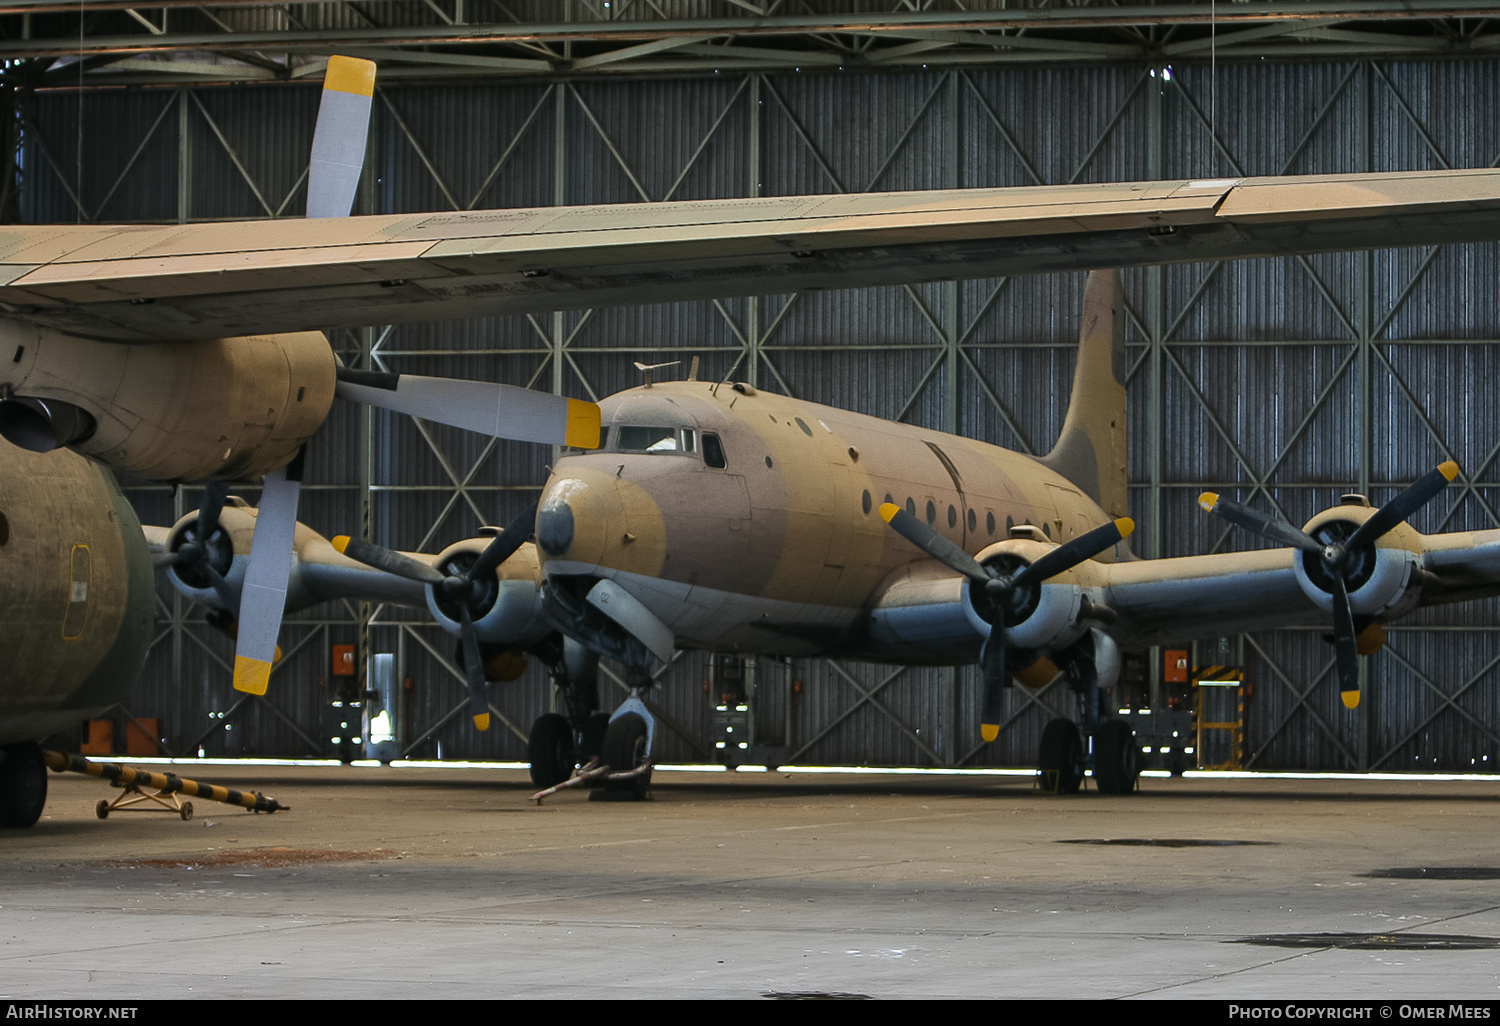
(1351, 699)
(584, 425)
(888, 511)
(251, 675)
(1126, 525)
(341, 543)
(1449, 469)
(1208, 500)
(989, 731)
(482, 721)
(350, 75)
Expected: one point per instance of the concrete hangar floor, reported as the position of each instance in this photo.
(445, 883)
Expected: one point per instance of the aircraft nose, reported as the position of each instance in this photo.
(554, 526)
(589, 520)
(573, 516)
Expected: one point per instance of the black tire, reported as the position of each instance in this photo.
(592, 743)
(624, 750)
(1116, 765)
(23, 784)
(550, 750)
(1060, 762)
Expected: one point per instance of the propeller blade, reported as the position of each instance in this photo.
(505, 545)
(380, 558)
(227, 595)
(479, 706)
(1421, 492)
(263, 597)
(1263, 524)
(338, 150)
(994, 670)
(1345, 645)
(926, 538)
(502, 411)
(1069, 555)
(214, 495)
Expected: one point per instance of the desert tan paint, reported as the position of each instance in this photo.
(145, 283)
(75, 592)
(221, 409)
(807, 470)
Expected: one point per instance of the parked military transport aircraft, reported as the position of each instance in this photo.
(76, 609)
(182, 353)
(715, 516)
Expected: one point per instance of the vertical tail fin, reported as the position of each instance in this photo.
(1091, 450)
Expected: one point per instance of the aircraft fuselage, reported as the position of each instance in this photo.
(76, 594)
(746, 520)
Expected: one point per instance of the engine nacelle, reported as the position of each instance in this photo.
(236, 530)
(510, 610)
(1384, 581)
(220, 409)
(1055, 615)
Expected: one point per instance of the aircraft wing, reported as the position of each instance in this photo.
(921, 614)
(135, 283)
(1195, 596)
(1163, 600)
(319, 572)
(325, 574)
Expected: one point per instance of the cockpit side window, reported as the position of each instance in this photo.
(713, 452)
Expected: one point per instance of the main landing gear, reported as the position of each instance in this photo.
(23, 784)
(1095, 741)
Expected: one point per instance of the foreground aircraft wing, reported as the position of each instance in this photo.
(228, 279)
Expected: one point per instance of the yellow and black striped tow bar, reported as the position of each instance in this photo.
(168, 786)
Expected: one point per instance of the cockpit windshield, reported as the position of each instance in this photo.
(655, 439)
(649, 439)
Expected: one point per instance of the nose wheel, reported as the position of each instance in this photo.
(551, 750)
(555, 750)
(626, 751)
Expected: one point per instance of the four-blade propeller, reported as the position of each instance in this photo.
(1340, 557)
(1009, 597)
(468, 589)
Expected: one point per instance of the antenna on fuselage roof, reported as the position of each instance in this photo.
(647, 368)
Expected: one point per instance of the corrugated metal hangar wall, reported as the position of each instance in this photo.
(1281, 382)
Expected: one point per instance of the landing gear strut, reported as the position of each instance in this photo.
(1096, 741)
(23, 784)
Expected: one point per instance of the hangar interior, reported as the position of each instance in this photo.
(1281, 382)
